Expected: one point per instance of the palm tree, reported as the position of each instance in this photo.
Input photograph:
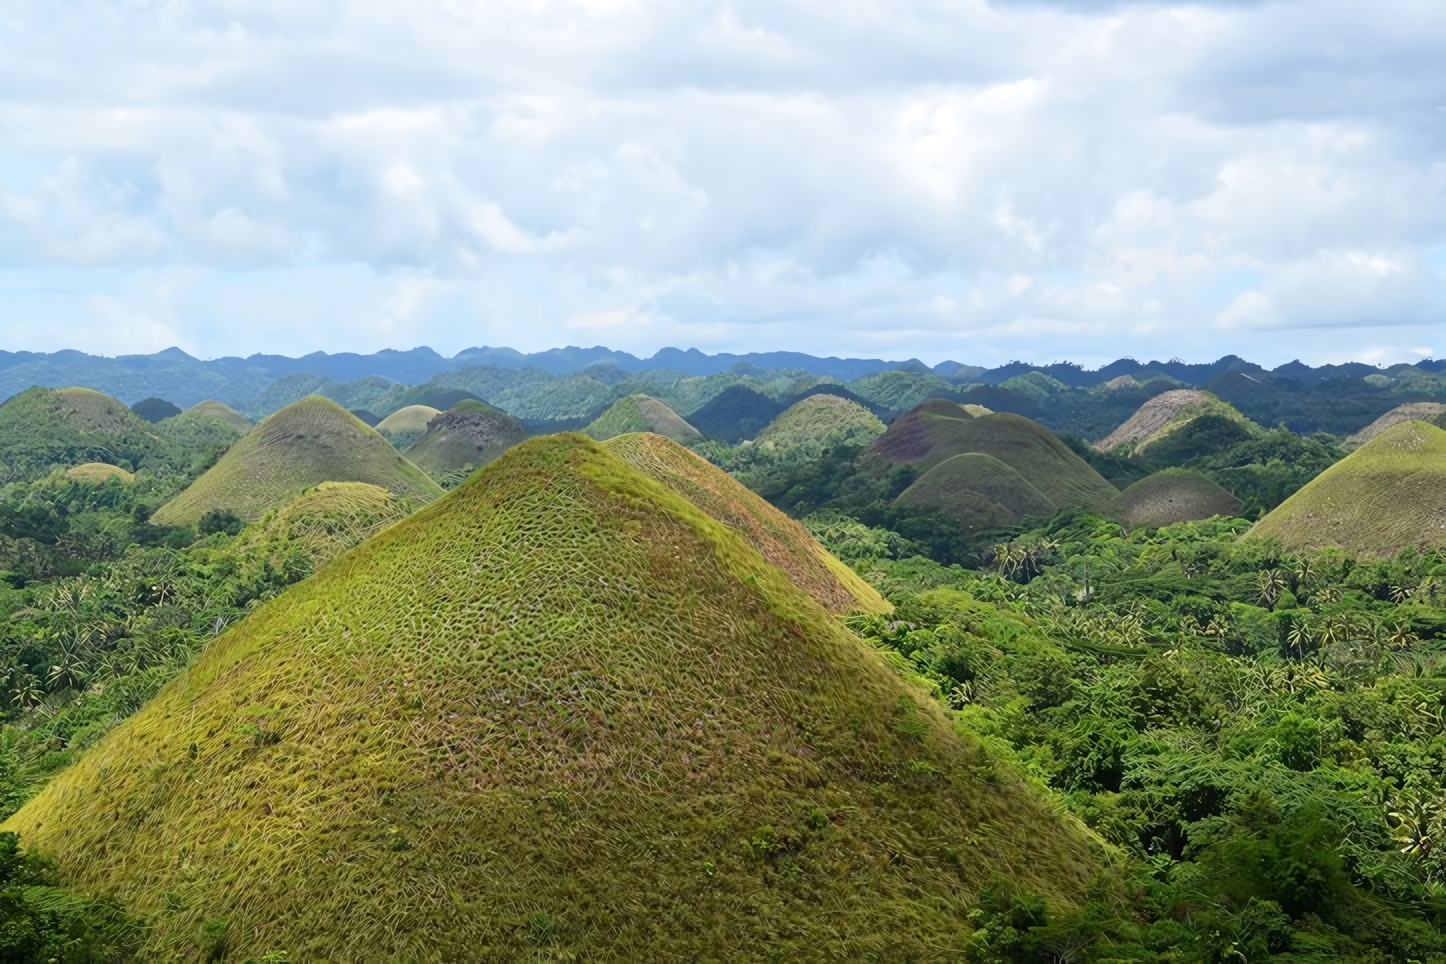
(1299, 637)
(1272, 584)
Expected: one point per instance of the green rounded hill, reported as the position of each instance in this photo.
(978, 491)
(782, 541)
(96, 473)
(1433, 412)
(211, 408)
(1387, 495)
(406, 425)
(1176, 495)
(42, 428)
(642, 413)
(560, 714)
(820, 422)
(308, 442)
(1168, 413)
(470, 433)
(937, 430)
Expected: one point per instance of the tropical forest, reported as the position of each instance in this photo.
(580, 657)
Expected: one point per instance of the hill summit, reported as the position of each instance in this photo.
(642, 413)
(308, 442)
(560, 714)
(1387, 495)
(782, 541)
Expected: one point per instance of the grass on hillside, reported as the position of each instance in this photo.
(211, 408)
(641, 413)
(330, 519)
(977, 490)
(1176, 495)
(467, 436)
(406, 425)
(1167, 413)
(1387, 495)
(42, 428)
(784, 542)
(307, 443)
(561, 714)
(932, 432)
(1433, 412)
(96, 473)
(820, 422)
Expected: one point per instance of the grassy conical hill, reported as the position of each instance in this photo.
(1167, 413)
(406, 425)
(1176, 495)
(1433, 412)
(560, 714)
(1387, 495)
(820, 422)
(42, 428)
(211, 408)
(782, 541)
(642, 413)
(934, 431)
(96, 473)
(308, 442)
(977, 490)
(470, 433)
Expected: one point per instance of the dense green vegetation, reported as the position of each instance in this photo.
(1252, 721)
(1257, 732)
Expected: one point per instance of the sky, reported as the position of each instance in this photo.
(962, 179)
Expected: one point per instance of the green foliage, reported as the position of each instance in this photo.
(42, 923)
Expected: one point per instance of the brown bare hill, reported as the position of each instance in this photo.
(470, 433)
(782, 541)
(1165, 413)
(1433, 412)
(1387, 495)
(937, 430)
(560, 714)
(308, 442)
(1176, 495)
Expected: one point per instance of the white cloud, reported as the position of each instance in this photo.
(975, 180)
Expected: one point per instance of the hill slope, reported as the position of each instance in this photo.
(560, 714)
(781, 540)
(1433, 412)
(820, 422)
(46, 427)
(977, 490)
(937, 430)
(469, 433)
(406, 425)
(331, 518)
(1176, 495)
(1166, 413)
(307, 443)
(1385, 496)
(219, 410)
(642, 413)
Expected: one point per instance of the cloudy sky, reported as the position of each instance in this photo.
(959, 179)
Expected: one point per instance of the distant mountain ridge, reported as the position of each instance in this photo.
(593, 378)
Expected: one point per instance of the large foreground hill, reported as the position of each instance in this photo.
(561, 714)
